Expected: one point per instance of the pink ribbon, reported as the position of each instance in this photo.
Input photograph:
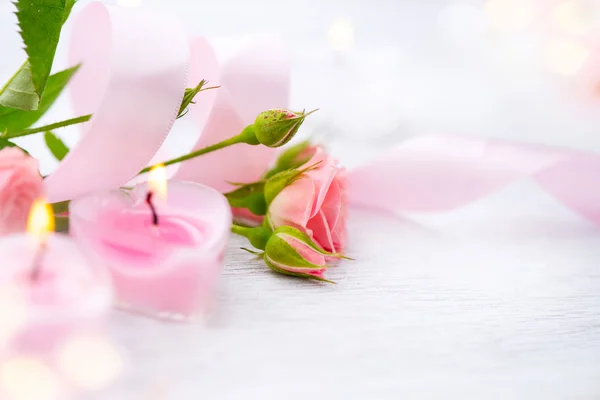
(253, 75)
(440, 173)
(132, 79)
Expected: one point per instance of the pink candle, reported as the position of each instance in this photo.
(164, 264)
(53, 308)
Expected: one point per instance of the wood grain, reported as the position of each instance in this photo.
(425, 312)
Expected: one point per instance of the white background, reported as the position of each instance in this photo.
(498, 300)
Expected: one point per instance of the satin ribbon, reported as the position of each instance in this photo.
(132, 79)
(443, 172)
(253, 74)
(133, 76)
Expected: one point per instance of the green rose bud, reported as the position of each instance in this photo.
(291, 252)
(276, 127)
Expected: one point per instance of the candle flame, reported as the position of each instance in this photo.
(41, 219)
(157, 181)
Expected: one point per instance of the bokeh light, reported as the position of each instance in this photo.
(565, 57)
(573, 17)
(27, 378)
(89, 362)
(510, 15)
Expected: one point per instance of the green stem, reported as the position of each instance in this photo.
(247, 136)
(241, 230)
(56, 125)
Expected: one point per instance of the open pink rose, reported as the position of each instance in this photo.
(20, 184)
(316, 202)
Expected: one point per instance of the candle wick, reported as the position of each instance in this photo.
(152, 208)
(36, 268)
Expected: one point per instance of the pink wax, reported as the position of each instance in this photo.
(168, 270)
(41, 314)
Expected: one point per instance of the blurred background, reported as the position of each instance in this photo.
(384, 70)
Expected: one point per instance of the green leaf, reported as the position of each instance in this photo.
(7, 143)
(58, 149)
(19, 91)
(41, 22)
(15, 120)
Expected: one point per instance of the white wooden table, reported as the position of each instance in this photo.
(471, 306)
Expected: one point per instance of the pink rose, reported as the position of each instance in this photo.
(20, 184)
(316, 202)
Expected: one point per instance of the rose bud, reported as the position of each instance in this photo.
(290, 251)
(276, 127)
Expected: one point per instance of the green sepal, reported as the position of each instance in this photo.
(275, 184)
(295, 274)
(248, 136)
(304, 238)
(290, 159)
(279, 250)
(249, 196)
(257, 236)
(258, 254)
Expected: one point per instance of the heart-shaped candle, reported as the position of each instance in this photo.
(53, 309)
(164, 255)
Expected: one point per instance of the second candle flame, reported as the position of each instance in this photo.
(157, 181)
(41, 220)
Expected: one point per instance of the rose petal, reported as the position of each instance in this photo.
(305, 251)
(320, 232)
(293, 205)
(322, 176)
